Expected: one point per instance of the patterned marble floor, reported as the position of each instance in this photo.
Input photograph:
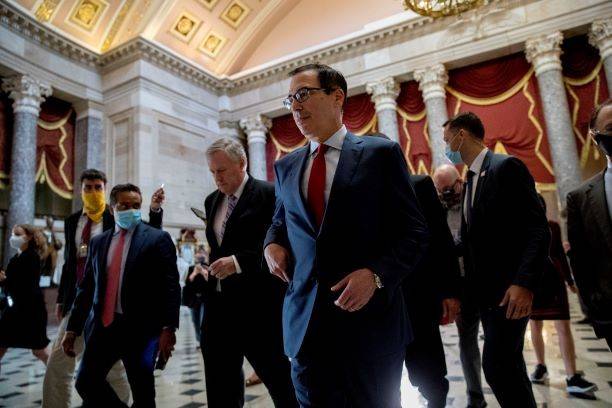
(181, 384)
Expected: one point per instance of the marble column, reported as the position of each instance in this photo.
(384, 94)
(432, 81)
(89, 144)
(600, 36)
(256, 128)
(27, 95)
(544, 52)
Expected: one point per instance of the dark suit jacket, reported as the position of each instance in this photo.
(150, 294)
(244, 235)
(372, 221)
(68, 285)
(508, 240)
(438, 276)
(589, 230)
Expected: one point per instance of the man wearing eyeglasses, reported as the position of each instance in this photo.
(346, 230)
(589, 229)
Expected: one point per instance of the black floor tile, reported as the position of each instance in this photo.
(191, 392)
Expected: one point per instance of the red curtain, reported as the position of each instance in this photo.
(412, 124)
(55, 146)
(504, 94)
(359, 117)
(586, 87)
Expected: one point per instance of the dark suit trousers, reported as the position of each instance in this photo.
(102, 350)
(502, 358)
(468, 323)
(425, 360)
(230, 334)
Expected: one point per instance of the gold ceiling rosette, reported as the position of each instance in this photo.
(441, 8)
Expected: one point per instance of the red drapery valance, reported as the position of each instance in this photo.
(510, 108)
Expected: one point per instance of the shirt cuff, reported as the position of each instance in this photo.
(236, 264)
(155, 210)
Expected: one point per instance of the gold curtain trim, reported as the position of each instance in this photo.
(496, 99)
(42, 175)
(537, 125)
(569, 82)
(585, 80)
(413, 118)
(55, 126)
(546, 187)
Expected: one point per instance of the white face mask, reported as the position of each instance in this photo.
(16, 241)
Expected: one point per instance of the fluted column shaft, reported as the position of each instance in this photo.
(600, 36)
(256, 128)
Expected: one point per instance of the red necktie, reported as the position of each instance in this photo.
(316, 185)
(112, 281)
(85, 237)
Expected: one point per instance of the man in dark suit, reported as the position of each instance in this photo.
(432, 297)
(79, 228)
(346, 230)
(129, 301)
(242, 300)
(505, 240)
(589, 229)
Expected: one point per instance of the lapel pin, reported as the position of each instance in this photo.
(483, 173)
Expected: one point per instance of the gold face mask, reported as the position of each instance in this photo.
(94, 204)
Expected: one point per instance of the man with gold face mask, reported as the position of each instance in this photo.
(95, 218)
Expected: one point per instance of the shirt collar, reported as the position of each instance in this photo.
(609, 162)
(477, 163)
(117, 229)
(336, 140)
(238, 192)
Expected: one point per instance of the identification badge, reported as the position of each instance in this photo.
(83, 251)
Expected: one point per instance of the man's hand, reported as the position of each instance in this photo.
(158, 199)
(2, 275)
(167, 340)
(198, 269)
(59, 311)
(277, 259)
(222, 267)
(359, 287)
(519, 300)
(451, 308)
(68, 343)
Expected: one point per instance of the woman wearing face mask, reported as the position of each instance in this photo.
(24, 323)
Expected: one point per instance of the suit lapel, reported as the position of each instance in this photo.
(108, 221)
(599, 206)
(294, 181)
(241, 206)
(138, 239)
(482, 179)
(210, 225)
(350, 156)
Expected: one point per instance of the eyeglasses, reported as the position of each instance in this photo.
(301, 96)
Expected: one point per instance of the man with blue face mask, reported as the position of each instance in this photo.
(504, 239)
(132, 282)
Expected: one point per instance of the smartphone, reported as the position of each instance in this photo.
(160, 364)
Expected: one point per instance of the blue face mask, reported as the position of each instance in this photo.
(453, 156)
(127, 219)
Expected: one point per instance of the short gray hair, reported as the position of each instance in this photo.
(232, 148)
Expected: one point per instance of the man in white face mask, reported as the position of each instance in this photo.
(132, 282)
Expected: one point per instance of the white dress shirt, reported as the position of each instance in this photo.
(109, 259)
(96, 228)
(332, 157)
(220, 216)
(475, 167)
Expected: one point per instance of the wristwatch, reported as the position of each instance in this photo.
(378, 282)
